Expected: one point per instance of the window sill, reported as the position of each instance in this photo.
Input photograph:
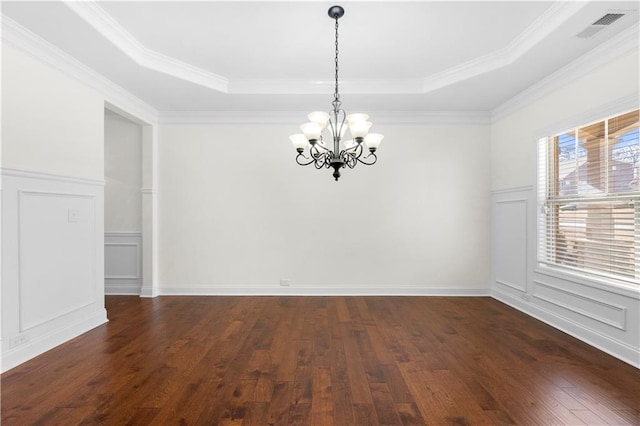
(601, 283)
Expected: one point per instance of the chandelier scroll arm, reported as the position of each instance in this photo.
(321, 160)
(318, 146)
(349, 159)
(368, 163)
(301, 155)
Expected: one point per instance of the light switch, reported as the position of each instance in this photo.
(73, 215)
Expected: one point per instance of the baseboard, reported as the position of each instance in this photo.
(602, 342)
(148, 292)
(121, 290)
(319, 291)
(31, 349)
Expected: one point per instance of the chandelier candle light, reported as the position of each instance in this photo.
(351, 151)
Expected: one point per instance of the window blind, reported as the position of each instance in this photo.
(589, 186)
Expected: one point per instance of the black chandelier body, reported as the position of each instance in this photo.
(351, 152)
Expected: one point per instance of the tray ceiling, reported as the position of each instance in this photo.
(278, 56)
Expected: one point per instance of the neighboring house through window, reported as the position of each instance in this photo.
(590, 194)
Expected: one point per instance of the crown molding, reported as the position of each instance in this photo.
(14, 34)
(124, 102)
(106, 25)
(603, 54)
(295, 117)
(549, 21)
(230, 117)
(322, 87)
(432, 118)
(17, 36)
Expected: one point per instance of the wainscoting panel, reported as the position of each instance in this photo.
(52, 261)
(57, 245)
(602, 314)
(578, 306)
(123, 262)
(510, 240)
(606, 316)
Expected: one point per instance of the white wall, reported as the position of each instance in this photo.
(122, 174)
(50, 123)
(52, 208)
(513, 138)
(606, 315)
(237, 214)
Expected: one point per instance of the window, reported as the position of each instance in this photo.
(589, 190)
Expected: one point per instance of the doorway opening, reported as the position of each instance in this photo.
(123, 204)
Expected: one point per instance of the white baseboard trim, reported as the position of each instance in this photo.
(604, 343)
(319, 291)
(31, 349)
(121, 290)
(149, 292)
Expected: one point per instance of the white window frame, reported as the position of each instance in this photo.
(544, 264)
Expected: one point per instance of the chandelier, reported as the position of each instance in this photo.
(334, 124)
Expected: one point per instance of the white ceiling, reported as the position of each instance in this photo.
(278, 56)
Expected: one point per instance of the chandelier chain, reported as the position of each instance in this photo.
(336, 95)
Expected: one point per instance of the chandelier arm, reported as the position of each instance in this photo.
(349, 160)
(369, 163)
(357, 153)
(321, 160)
(311, 160)
(344, 117)
(315, 152)
(333, 127)
(317, 145)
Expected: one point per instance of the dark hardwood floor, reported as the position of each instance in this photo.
(320, 360)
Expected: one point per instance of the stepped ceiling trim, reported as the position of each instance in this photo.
(106, 25)
(22, 38)
(608, 51)
(288, 117)
(546, 23)
(103, 23)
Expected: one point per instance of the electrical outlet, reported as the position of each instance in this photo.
(18, 340)
(285, 282)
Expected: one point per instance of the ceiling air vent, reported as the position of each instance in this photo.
(608, 19)
(599, 25)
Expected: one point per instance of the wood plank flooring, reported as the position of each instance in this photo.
(320, 361)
